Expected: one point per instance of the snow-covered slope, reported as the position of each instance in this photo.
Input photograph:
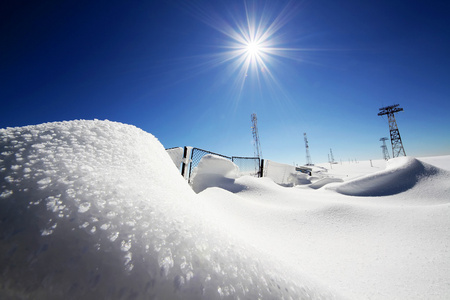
(442, 161)
(400, 175)
(97, 210)
(383, 247)
(383, 235)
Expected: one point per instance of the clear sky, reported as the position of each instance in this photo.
(192, 72)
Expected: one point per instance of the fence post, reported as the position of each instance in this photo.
(261, 169)
(183, 165)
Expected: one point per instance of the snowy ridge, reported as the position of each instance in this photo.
(324, 181)
(401, 174)
(390, 247)
(97, 210)
(372, 247)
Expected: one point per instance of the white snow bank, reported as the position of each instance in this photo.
(324, 181)
(400, 175)
(97, 210)
(215, 171)
(366, 248)
(442, 161)
(176, 154)
(283, 174)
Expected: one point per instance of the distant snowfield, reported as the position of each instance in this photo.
(98, 210)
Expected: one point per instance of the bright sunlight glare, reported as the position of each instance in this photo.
(254, 41)
(253, 48)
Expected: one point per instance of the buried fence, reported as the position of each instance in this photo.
(249, 165)
(187, 158)
(196, 155)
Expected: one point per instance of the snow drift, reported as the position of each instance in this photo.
(97, 210)
(401, 174)
(284, 175)
(391, 247)
(324, 181)
(215, 171)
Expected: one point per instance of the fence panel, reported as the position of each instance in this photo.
(279, 173)
(248, 165)
(196, 156)
(252, 166)
(176, 154)
(286, 175)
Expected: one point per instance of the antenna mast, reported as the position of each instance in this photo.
(384, 148)
(308, 157)
(396, 140)
(331, 156)
(255, 134)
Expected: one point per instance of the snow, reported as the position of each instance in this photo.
(213, 171)
(400, 175)
(98, 209)
(283, 174)
(176, 154)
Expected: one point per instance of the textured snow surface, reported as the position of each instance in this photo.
(98, 210)
(370, 230)
(371, 247)
(400, 175)
(215, 171)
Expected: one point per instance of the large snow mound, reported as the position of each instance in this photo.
(401, 174)
(215, 171)
(97, 210)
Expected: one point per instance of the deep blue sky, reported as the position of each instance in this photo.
(151, 64)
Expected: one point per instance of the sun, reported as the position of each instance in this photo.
(253, 44)
(253, 49)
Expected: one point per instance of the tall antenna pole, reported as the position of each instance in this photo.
(384, 148)
(308, 157)
(396, 140)
(256, 143)
(331, 156)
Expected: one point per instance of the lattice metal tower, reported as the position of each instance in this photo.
(384, 148)
(257, 145)
(396, 141)
(331, 156)
(308, 156)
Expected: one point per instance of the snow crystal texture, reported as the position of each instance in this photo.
(98, 210)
